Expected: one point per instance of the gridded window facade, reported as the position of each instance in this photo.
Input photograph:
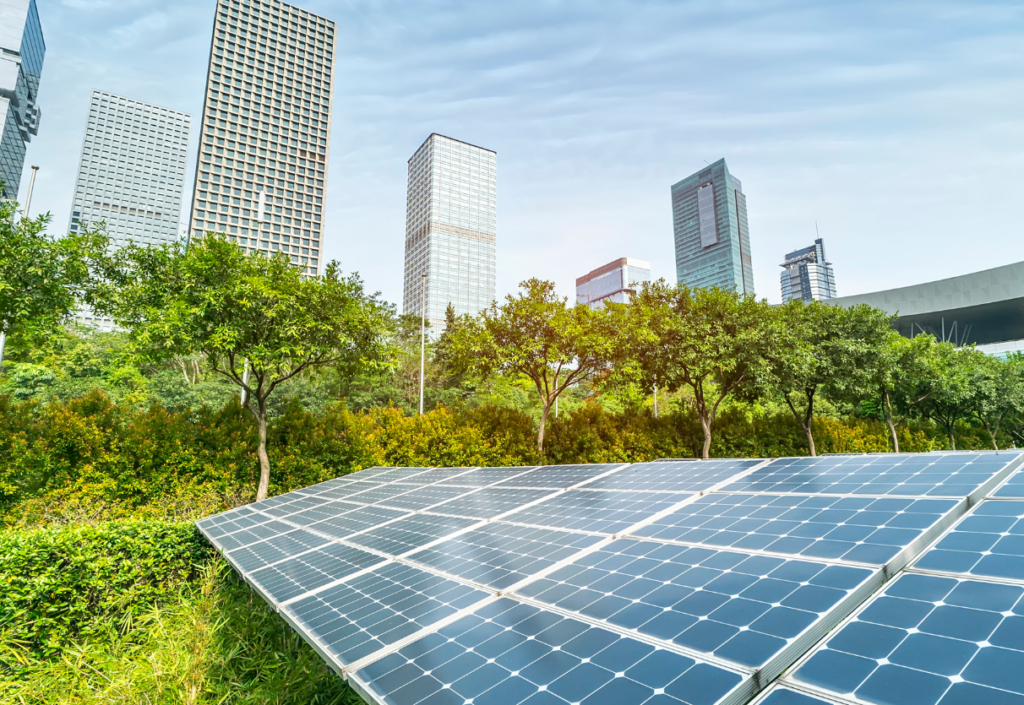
(615, 282)
(21, 64)
(709, 215)
(807, 275)
(451, 229)
(131, 174)
(265, 130)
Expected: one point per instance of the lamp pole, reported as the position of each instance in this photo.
(423, 335)
(31, 185)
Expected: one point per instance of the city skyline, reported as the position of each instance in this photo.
(22, 49)
(807, 274)
(818, 130)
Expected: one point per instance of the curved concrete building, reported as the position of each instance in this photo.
(984, 308)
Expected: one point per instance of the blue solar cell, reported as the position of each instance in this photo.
(368, 612)
(559, 476)
(320, 512)
(1013, 487)
(922, 475)
(423, 497)
(296, 503)
(353, 522)
(934, 641)
(780, 695)
(500, 555)
(435, 475)
(274, 549)
(410, 533)
(861, 529)
(737, 606)
(486, 477)
(508, 653)
(987, 542)
(231, 521)
(311, 570)
(400, 474)
(606, 512)
(243, 537)
(673, 476)
(490, 502)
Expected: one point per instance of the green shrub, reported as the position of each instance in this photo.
(58, 585)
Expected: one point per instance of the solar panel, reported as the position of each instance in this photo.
(596, 511)
(490, 502)
(508, 653)
(673, 476)
(987, 542)
(414, 531)
(698, 582)
(378, 608)
(923, 475)
(736, 606)
(499, 555)
(859, 529)
(559, 476)
(1013, 487)
(927, 640)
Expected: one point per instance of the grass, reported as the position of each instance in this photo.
(216, 644)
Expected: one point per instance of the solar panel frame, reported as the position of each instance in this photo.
(878, 620)
(901, 554)
(776, 476)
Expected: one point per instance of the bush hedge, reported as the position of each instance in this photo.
(62, 584)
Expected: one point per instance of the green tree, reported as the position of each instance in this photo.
(712, 342)
(998, 391)
(537, 334)
(255, 320)
(952, 394)
(43, 280)
(899, 379)
(833, 351)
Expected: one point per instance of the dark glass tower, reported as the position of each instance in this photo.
(709, 215)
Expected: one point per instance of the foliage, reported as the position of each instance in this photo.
(538, 335)
(950, 394)
(64, 584)
(830, 349)
(713, 342)
(42, 279)
(202, 642)
(255, 320)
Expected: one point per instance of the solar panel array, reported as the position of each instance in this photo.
(864, 578)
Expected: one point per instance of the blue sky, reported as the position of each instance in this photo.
(897, 126)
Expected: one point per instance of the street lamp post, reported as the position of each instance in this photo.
(423, 335)
(31, 185)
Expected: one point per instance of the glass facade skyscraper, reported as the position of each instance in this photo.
(807, 275)
(265, 130)
(21, 65)
(615, 282)
(709, 216)
(451, 229)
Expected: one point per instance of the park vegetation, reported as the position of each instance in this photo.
(232, 377)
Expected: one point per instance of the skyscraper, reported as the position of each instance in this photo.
(450, 228)
(132, 170)
(265, 130)
(807, 275)
(21, 64)
(709, 215)
(615, 282)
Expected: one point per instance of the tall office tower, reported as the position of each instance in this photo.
(807, 275)
(132, 170)
(130, 176)
(21, 63)
(615, 282)
(451, 229)
(264, 137)
(709, 215)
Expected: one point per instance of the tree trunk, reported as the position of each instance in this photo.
(952, 439)
(806, 423)
(890, 424)
(261, 492)
(810, 440)
(991, 435)
(705, 426)
(543, 423)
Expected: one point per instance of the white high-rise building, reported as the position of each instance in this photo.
(131, 173)
(615, 282)
(21, 63)
(451, 229)
(265, 130)
(807, 275)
